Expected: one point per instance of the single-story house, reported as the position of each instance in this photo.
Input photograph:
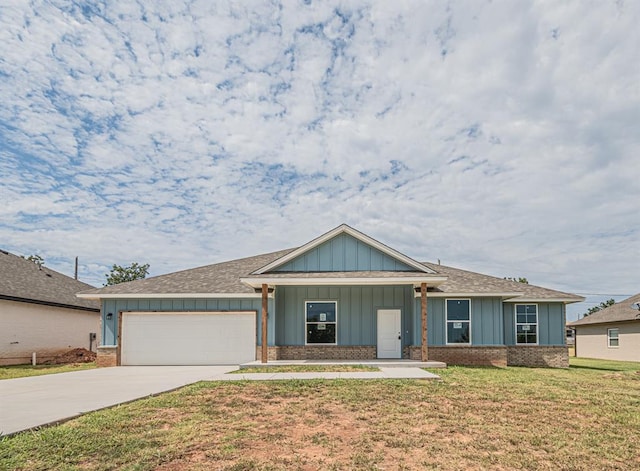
(612, 333)
(342, 295)
(40, 312)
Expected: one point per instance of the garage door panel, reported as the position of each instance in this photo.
(188, 338)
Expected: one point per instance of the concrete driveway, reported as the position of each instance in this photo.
(35, 401)
(40, 400)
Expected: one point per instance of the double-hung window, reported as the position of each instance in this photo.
(526, 324)
(613, 339)
(321, 322)
(458, 321)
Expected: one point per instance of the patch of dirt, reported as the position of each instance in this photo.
(77, 355)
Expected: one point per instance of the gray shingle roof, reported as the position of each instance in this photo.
(23, 280)
(463, 281)
(217, 278)
(619, 312)
(224, 278)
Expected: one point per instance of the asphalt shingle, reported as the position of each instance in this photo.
(618, 312)
(23, 280)
(224, 278)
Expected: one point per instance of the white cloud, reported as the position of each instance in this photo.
(497, 136)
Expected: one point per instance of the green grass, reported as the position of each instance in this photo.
(582, 418)
(306, 369)
(604, 365)
(20, 371)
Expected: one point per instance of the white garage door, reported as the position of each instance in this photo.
(188, 338)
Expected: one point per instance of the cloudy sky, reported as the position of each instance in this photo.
(497, 136)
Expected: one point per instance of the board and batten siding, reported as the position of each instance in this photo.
(551, 323)
(357, 311)
(486, 321)
(110, 327)
(343, 253)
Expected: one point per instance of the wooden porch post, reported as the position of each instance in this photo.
(423, 312)
(265, 298)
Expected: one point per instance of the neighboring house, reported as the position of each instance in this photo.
(343, 295)
(612, 333)
(39, 312)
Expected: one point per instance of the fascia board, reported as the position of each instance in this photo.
(471, 295)
(545, 300)
(293, 281)
(172, 295)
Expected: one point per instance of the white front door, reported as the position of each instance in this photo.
(389, 333)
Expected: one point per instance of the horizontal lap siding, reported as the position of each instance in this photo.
(357, 308)
(110, 327)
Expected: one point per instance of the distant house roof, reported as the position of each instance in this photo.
(233, 278)
(618, 312)
(22, 280)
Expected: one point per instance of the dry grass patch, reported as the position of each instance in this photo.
(475, 418)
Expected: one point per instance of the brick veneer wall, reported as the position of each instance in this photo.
(107, 356)
(469, 355)
(325, 352)
(536, 355)
(412, 353)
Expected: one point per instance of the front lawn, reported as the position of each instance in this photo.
(20, 371)
(582, 418)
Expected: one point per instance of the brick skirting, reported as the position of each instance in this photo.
(514, 355)
(107, 356)
(469, 355)
(537, 355)
(325, 352)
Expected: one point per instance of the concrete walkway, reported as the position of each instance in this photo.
(36, 401)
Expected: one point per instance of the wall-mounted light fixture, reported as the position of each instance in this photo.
(109, 316)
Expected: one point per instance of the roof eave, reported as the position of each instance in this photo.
(462, 294)
(49, 303)
(99, 296)
(533, 299)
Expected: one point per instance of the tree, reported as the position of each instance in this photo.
(120, 274)
(37, 259)
(599, 307)
(519, 279)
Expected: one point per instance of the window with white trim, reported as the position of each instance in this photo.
(321, 322)
(526, 324)
(613, 339)
(458, 321)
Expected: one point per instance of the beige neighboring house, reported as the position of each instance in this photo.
(39, 312)
(612, 333)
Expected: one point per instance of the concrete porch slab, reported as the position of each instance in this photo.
(370, 363)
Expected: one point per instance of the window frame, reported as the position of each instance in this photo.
(306, 323)
(447, 321)
(516, 323)
(610, 338)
